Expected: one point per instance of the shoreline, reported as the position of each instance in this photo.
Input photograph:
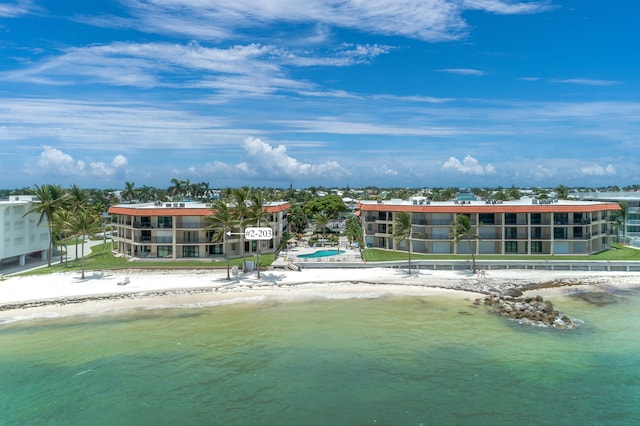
(64, 294)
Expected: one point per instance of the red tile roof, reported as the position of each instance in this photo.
(491, 208)
(136, 210)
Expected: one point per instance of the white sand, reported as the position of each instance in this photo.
(99, 292)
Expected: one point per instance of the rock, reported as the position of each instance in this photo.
(530, 311)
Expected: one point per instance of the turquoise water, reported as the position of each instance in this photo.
(382, 361)
(320, 253)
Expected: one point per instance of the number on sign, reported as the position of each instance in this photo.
(258, 233)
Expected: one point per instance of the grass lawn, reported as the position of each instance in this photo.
(617, 252)
(101, 259)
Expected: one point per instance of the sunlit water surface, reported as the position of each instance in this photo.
(392, 361)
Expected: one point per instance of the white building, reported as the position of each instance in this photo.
(632, 198)
(20, 233)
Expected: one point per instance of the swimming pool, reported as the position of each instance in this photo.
(320, 253)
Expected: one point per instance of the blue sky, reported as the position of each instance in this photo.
(307, 93)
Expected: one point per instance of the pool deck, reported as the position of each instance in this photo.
(350, 255)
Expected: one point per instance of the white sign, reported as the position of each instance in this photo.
(258, 233)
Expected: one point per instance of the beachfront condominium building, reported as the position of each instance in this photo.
(523, 227)
(631, 225)
(20, 233)
(177, 230)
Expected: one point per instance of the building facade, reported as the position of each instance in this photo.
(20, 234)
(524, 227)
(172, 230)
(631, 226)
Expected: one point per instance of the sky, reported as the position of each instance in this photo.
(279, 93)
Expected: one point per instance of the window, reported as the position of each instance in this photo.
(190, 251)
(536, 232)
(487, 218)
(536, 246)
(165, 221)
(577, 232)
(190, 236)
(511, 232)
(510, 219)
(560, 233)
(510, 246)
(165, 251)
(536, 218)
(561, 218)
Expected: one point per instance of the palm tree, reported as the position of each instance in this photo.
(177, 189)
(60, 227)
(320, 222)
(222, 220)
(255, 215)
(146, 194)
(621, 218)
(129, 193)
(78, 199)
(353, 230)
(241, 198)
(51, 198)
(205, 190)
(402, 231)
(193, 190)
(85, 222)
(461, 229)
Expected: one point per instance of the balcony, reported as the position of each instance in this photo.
(200, 240)
(153, 240)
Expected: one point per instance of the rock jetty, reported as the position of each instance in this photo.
(533, 311)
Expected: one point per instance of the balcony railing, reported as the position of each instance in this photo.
(153, 240)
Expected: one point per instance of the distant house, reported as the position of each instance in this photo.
(176, 230)
(20, 235)
(525, 227)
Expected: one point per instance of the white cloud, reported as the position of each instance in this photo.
(277, 162)
(462, 71)
(55, 162)
(468, 166)
(387, 171)
(507, 7)
(430, 20)
(251, 68)
(596, 170)
(541, 172)
(119, 161)
(586, 81)
(269, 162)
(21, 7)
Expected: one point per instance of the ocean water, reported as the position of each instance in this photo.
(368, 361)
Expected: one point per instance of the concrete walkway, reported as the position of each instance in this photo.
(11, 268)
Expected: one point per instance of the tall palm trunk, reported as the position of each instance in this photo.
(82, 260)
(473, 255)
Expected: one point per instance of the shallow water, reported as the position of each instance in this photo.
(392, 360)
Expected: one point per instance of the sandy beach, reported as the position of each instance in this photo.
(103, 291)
